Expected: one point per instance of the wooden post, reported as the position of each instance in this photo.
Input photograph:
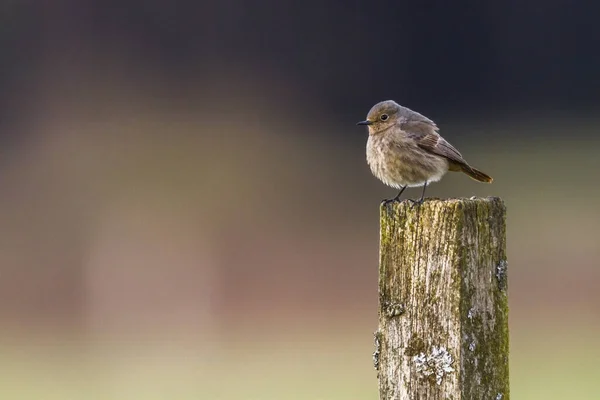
(443, 307)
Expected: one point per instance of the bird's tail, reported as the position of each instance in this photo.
(476, 174)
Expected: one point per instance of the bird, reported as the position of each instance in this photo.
(404, 149)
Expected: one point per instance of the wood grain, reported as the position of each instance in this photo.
(443, 308)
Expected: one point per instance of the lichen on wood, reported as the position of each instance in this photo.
(443, 309)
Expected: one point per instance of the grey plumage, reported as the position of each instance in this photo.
(404, 148)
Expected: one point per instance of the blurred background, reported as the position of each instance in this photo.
(186, 211)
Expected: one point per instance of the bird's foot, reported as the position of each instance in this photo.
(414, 203)
(385, 202)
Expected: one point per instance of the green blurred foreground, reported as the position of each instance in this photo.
(562, 365)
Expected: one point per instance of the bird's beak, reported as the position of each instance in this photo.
(365, 122)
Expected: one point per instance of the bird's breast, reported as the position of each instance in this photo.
(398, 162)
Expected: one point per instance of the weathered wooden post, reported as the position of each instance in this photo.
(443, 307)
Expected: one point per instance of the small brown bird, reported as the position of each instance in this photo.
(404, 149)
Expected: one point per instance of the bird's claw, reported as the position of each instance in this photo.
(414, 203)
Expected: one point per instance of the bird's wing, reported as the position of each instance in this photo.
(428, 139)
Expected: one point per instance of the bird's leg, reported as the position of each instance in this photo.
(420, 201)
(397, 198)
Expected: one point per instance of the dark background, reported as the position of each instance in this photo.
(467, 57)
(186, 199)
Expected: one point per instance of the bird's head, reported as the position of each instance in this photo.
(382, 115)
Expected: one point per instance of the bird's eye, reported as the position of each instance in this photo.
(384, 117)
